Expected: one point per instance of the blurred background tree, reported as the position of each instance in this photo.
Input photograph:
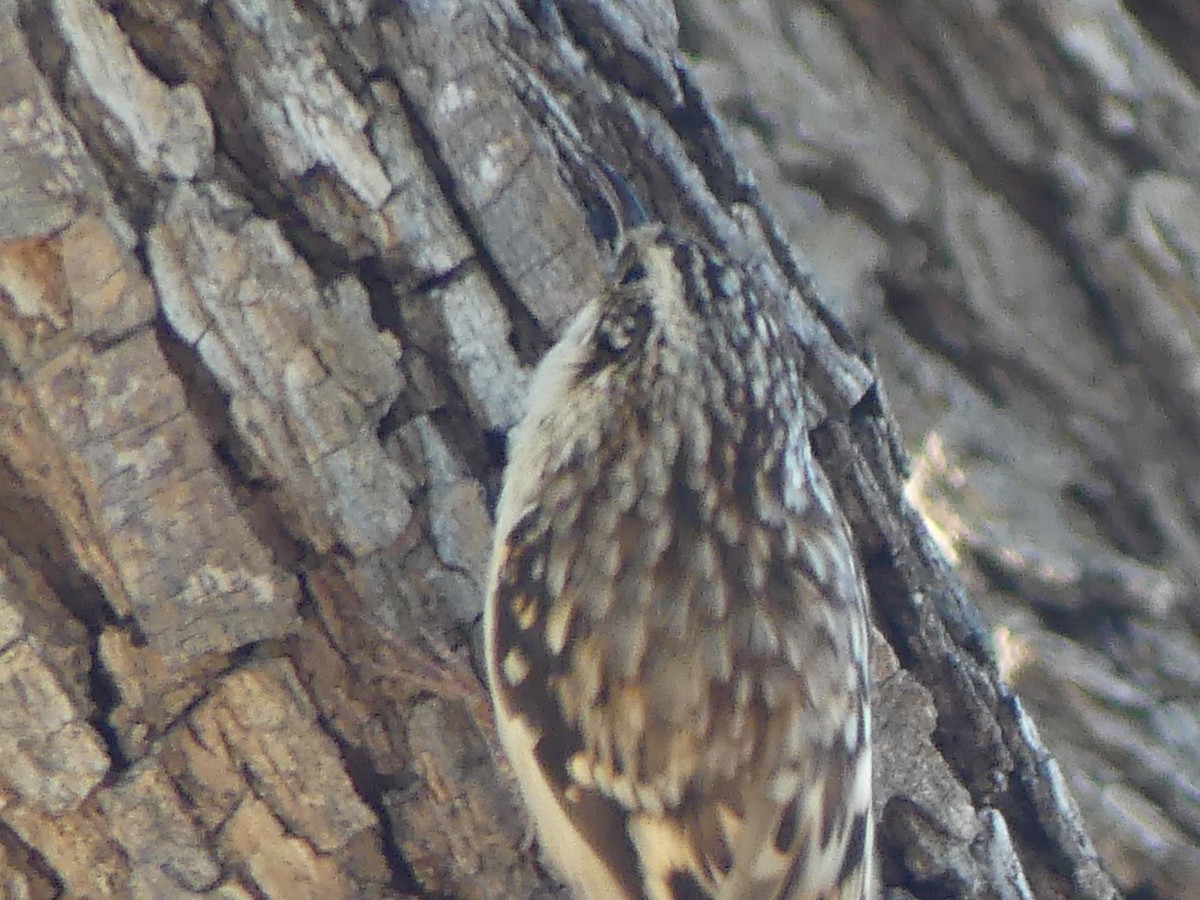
(272, 279)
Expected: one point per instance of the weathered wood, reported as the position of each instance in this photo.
(272, 280)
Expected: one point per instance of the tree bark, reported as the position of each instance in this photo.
(273, 277)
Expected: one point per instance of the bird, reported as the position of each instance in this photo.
(676, 626)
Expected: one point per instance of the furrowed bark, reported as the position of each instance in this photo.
(272, 280)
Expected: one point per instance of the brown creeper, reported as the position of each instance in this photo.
(676, 629)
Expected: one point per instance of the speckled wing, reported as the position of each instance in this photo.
(684, 698)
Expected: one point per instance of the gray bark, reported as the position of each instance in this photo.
(272, 280)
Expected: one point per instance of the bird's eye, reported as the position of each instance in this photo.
(634, 274)
(619, 334)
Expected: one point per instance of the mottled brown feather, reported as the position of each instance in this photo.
(676, 627)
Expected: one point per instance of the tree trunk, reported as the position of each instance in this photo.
(273, 277)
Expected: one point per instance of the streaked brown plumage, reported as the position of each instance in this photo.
(676, 628)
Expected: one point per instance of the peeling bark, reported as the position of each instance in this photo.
(272, 281)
